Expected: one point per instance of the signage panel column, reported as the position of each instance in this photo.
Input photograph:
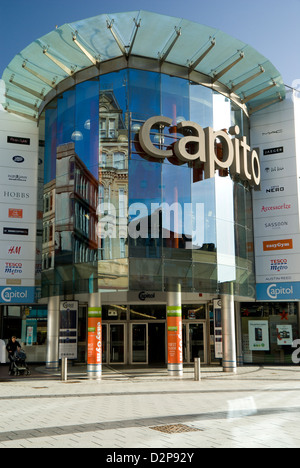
(174, 324)
(276, 205)
(94, 363)
(19, 210)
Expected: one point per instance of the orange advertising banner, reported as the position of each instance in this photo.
(95, 335)
(174, 323)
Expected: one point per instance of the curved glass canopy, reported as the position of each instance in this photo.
(84, 49)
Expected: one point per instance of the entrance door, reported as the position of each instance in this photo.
(157, 343)
(194, 342)
(117, 344)
(113, 343)
(139, 343)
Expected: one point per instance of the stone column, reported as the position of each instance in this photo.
(239, 335)
(228, 329)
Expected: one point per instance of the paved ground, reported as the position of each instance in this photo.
(259, 407)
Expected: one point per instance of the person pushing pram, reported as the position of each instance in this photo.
(16, 357)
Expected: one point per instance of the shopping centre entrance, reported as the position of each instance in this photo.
(141, 337)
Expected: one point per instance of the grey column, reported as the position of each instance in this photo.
(239, 335)
(174, 314)
(94, 370)
(52, 361)
(228, 329)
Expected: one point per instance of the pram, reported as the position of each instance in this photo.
(19, 366)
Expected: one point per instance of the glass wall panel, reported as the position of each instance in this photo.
(50, 142)
(201, 105)
(280, 324)
(66, 117)
(100, 186)
(86, 134)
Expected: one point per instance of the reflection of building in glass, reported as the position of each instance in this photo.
(113, 193)
(70, 220)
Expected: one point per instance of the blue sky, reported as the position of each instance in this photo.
(270, 26)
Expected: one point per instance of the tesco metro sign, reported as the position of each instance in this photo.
(200, 144)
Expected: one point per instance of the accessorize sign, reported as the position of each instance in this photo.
(237, 154)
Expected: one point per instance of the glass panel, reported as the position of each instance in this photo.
(66, 117)
(196, 341)
(113, 176)
(283, 329)
(157, 343)
(114, 312)
(201, 105)
(86, 133)
(144, 94)
(147, 312)
(117, 343)
(194, 312)
(139, 343)
(184, 343)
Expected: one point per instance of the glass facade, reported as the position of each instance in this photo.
(117, 219)
(268, 332)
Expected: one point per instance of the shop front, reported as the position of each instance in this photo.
(29, 325)
(137, 334)
(269, 330)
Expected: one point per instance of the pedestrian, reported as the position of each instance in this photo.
(12, 346)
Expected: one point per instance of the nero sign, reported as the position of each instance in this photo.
(199, 144)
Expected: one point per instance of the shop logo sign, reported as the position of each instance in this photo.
(15, 213)
(270, 170)
(144, 295)
(14, 250)
(274, 189)
(13, 268)
(279, 265)
(284, 206)
(274, 291)
(276, 225)
(269, 151)
(199, 145)
(16, 195)
(10, 295)
(269, 246)
(18, 140)
(18, 159)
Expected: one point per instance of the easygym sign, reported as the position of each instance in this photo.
(200, 144)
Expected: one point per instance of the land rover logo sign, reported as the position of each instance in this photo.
(237, 154)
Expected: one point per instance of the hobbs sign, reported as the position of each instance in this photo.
(237, 154)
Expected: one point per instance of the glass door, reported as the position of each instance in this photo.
(139, 343)
(197, 342)
(117, 343)
(194, 342)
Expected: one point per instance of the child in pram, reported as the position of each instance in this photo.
(17, 358)
(19, 363)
